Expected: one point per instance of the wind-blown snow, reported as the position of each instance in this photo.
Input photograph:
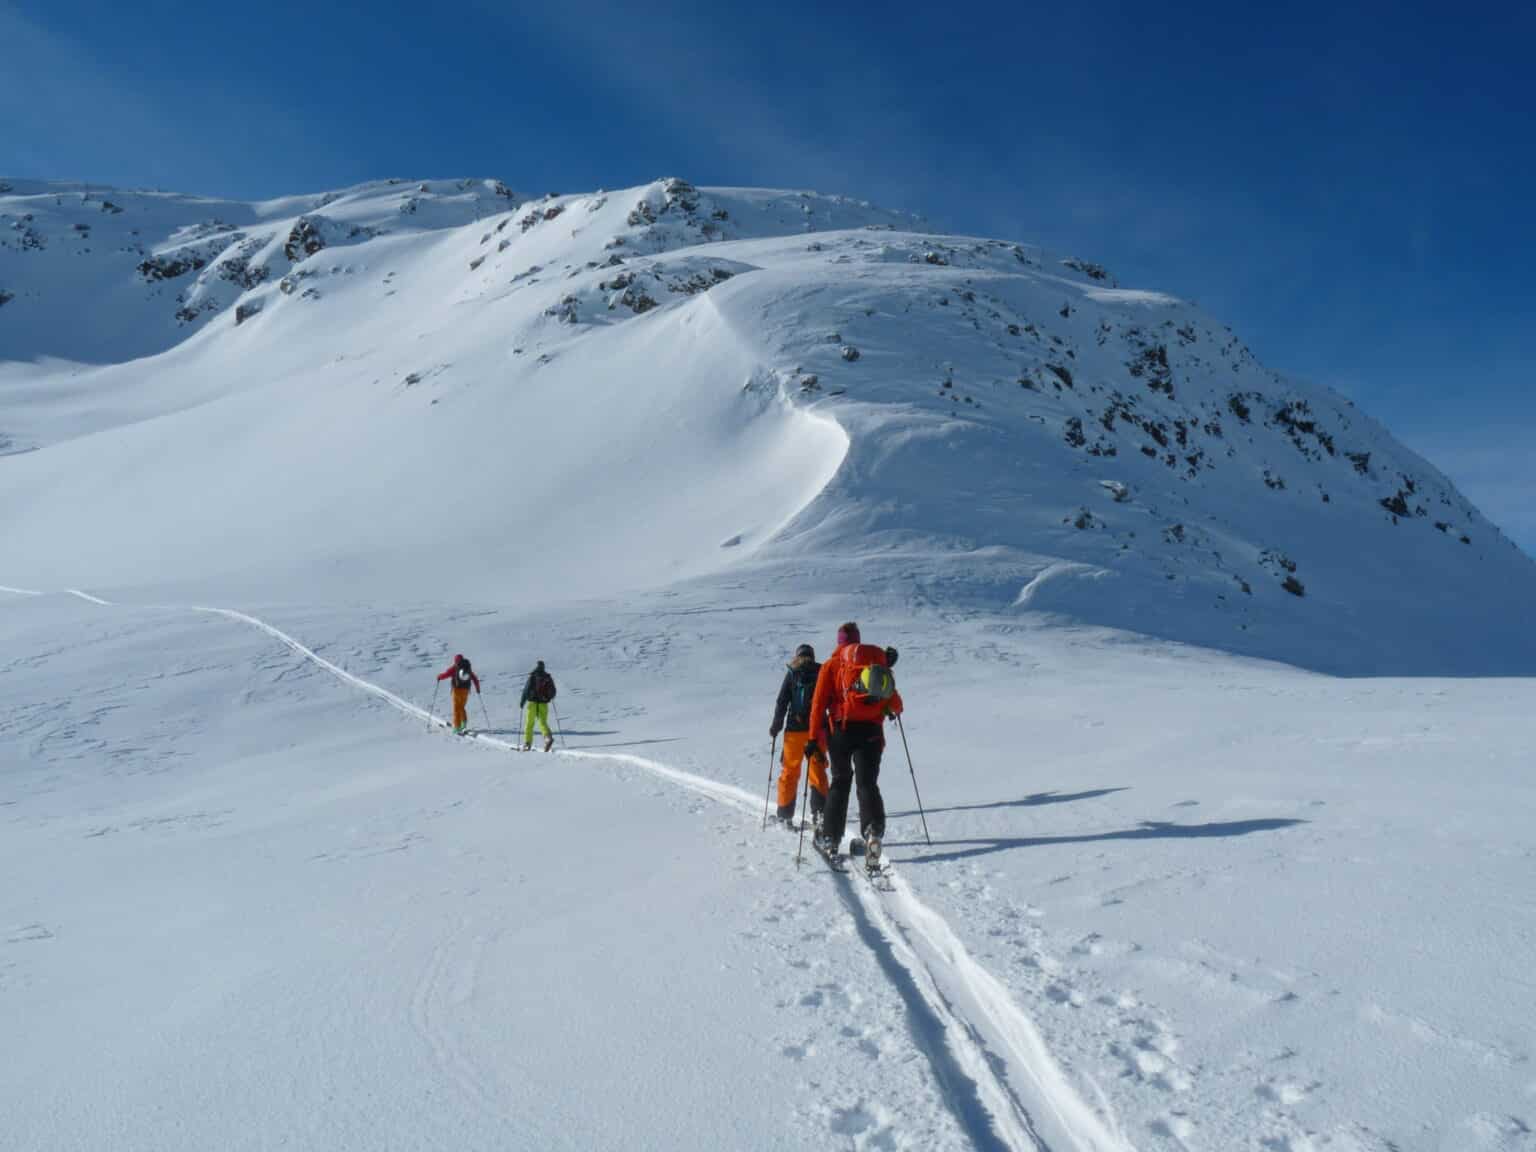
(264, 468)
(401, 388)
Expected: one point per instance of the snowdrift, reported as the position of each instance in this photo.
(404, 390)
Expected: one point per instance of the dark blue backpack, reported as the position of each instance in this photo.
(801, 694)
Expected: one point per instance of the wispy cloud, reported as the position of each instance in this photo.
(66, 113)
(54, 97)
(696, 87)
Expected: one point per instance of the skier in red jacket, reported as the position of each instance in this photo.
(855, 693)
(463, 678)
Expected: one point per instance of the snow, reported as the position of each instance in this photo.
(1154, 904)
(1180, 895)
(692, 341)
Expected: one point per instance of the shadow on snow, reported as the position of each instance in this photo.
(927, 1030)
(1148, 830)
(1034, 800)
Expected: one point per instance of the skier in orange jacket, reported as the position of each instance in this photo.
(462, 677)
(855, 693)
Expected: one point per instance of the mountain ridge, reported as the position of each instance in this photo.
(981, 422)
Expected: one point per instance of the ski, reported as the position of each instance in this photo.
(879, 873)
(882, 877)
(834, 861)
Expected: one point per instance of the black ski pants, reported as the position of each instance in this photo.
(853, 753)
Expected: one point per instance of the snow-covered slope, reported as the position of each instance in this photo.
(264, 468)
(397, 389)
(103, 275)
(1173, 901)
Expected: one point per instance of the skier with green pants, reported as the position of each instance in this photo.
(537, 694)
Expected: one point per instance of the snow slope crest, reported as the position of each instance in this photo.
(590, 392)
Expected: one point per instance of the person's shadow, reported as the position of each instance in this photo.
(565, 731)
(1034, 800)
(1147, 830)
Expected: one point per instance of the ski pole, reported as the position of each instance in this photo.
(431, 712)
(559, 727)
(483, 712)
(805, 812)
(773, 749)
(900, 727)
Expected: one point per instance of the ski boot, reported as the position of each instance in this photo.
(871, 850)
(549, 742)
(528, 747)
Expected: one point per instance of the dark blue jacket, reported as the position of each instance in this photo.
(792, 712)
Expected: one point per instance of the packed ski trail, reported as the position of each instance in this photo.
(1002, 1084)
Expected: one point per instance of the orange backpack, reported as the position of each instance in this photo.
(864, 685)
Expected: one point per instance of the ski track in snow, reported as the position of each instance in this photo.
(88, 597)
(984, 1049)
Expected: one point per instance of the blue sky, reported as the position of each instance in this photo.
(1349, 187)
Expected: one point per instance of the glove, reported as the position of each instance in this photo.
(773, 733)
(812, 748)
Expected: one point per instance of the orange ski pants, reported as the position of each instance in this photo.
(789, 779)
(461, 707)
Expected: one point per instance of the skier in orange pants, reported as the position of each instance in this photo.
(462, 678)
(792, 716)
